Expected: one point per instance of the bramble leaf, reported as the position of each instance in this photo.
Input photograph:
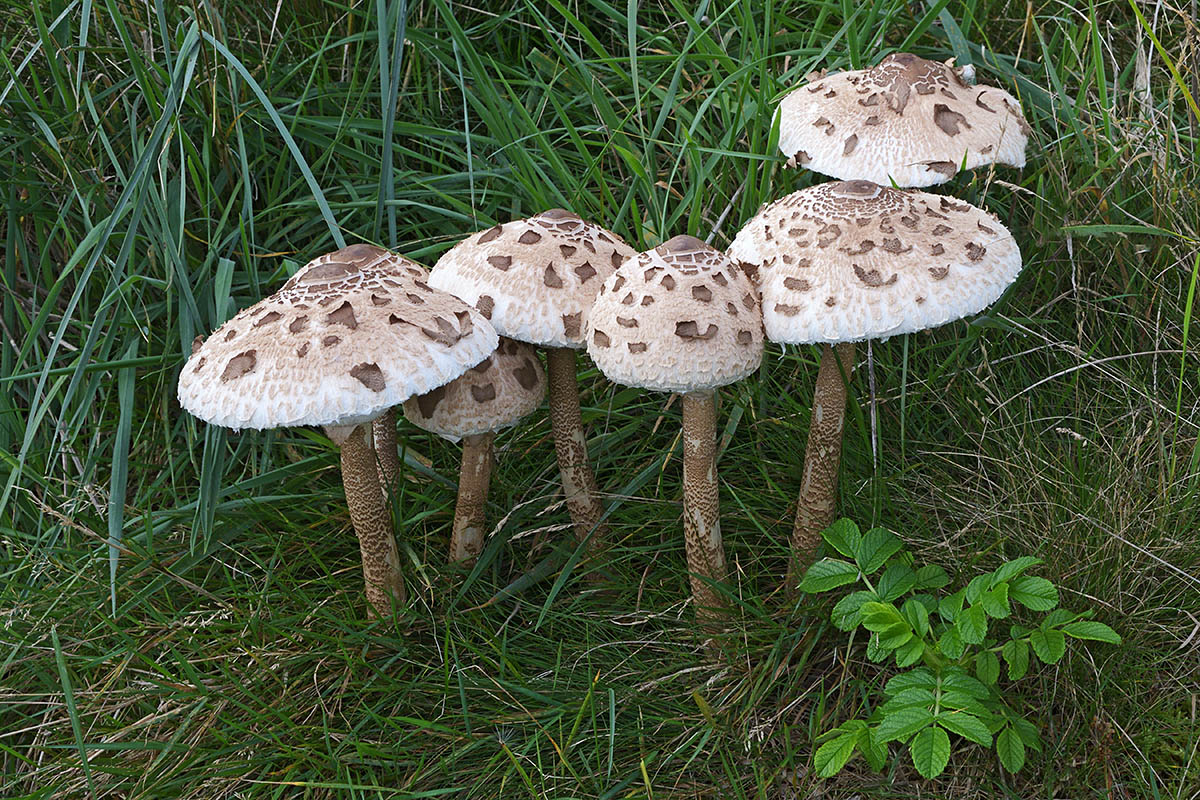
(877, 616)
(978, 585)
(1093, 631)
(903, 723)
(1036, 594)
(1016, 654)
(1011, 750)
(995, 601)
(951, 644)
(966, 725)
(828, 573)
(931, 752)
(987, 667)
(957, 678)
(972, 625)
(874, 750)
(896, 580)
(843, 536)
(951, 605)
(921, 677)
(1048, 645)
(931, 576)
(846, 614)
(877, 546)
(1011, 569)
(833, 755)
(910, 652)
(917, 616)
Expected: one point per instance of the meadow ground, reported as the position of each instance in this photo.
(180, 607)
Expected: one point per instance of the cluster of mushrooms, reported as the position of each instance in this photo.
(358, 332)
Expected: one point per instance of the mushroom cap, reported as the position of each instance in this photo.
(533, 278)
(852, 260)
(491, 395)
(682, 317)
(351, 334)
(906, 120)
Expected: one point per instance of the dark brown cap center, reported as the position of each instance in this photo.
(855, 189)
(559, 214)
(682, 244)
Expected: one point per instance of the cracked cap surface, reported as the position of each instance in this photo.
(908, 119)
(351, 334)
(534, 278)
(852, 260)
(490, 396)
(682, 317)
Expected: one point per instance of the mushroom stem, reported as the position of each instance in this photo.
(470, 514)
(701, 504)
(818, 487)
(566, 423)
(383, 429)
(369, 514)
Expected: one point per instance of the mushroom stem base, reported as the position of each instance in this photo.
(701, 505)
(566, 423)
(818, 487)
(383, 430)
(470, 512)
(372, 523)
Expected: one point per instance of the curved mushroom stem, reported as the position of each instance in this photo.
(372, 523)
(383, 430)
(818, 487)
(470, 512)
(701, 504)
(566, 423)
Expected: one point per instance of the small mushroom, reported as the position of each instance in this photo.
(701, 330)
(349, 336)
(851, 260)
(908, 120)
(489, 397)
(535, 279)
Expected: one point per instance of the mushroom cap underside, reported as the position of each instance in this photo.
(351, 334)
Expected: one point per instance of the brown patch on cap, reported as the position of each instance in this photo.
(501, 263)
(529, 237)
(873, 278)
(648, 300)
(240, 365)
(446, 334)
(615, 259)
(937, 249)
(939, 273)
(719, 279)
(343, 315)
(415, 299)
(428, 402)
(979, 102)
(196, 344)
(802, 157)
(830, 302)
(748, 300)
(824, 122)
(330, 341)
(601, 338)
(668, 283)
(796, 284)
(486, 305)
(865, 246)
(851, 143)
(268, 319)
(786, 310)
(572, 323)
(229, 334)
(895, 246)
(380, 299)
(946, 168)
(551, 279)
(691, 330)
(730, 308)
(702, 293)
(745, 337)
(975, 251)
(985, 229)
(948, 120)
(627, 322)
(369, 375)
(941, 230)
(527, 374)
(872, 120)
(585, 271)
(328, 272)
(637, 347)
(484, 393)
(302, 350)
(567, 250)
(489, 235)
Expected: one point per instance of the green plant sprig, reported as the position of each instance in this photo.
(951, 645)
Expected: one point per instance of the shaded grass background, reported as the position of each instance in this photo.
(181, 609)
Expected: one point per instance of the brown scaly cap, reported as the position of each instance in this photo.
(906, 120)
(351, 334)
(852, 260)
(679, 318)
(492, 395)
(533, 278)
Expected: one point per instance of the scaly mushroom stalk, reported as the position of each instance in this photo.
(383, 430)
(701, 505)
(470, 513)
(818, 487)
(369, 515)
(566, 424)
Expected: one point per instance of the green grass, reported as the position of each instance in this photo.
(182, 605)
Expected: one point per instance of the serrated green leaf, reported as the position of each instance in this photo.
(955, 699)
(1049, 646)
(896, 581)
(877, 546)
(977, 587)
(966, 725)
(910, 652)
(1056, 617)
(931, 752)
(844, 537)
(828, 573)
(1092, 631)
(833, 755)
(1011, 750)
(1028, 733)
(1036, 594)
(903, 723)
(894, 636)
(917, 616)
(995, 601)
(931, 576)
(878, 616)
(912, 696)
(972, 625)
(1016, 655)
(951, 644)
(987, 667)
(875, 653)
(846, 614)
(919, 678)
(957, 678)
(1011, 569)
(873, 750)
(951, 605)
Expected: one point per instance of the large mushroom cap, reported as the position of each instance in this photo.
(351, 334)
(491, 395)
(853, 260)
(682, 317)
(533, 278)
(906, 120)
